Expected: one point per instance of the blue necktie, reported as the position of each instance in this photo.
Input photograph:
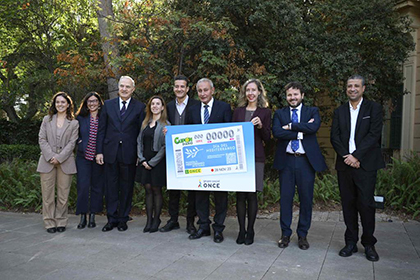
(123, 109)
(206, 114)
(295, 143)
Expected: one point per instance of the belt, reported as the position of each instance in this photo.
(297, 154)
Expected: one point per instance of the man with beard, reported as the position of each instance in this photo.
(298, 157)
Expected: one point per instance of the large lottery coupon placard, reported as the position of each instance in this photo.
(214, 157)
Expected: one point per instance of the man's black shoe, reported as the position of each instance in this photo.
(348, 250)
(122, 226)
(170, 225)
(109, 226)
(371, 254)
(303, 243)
(191, 228)
(200, 233)
(218, 237)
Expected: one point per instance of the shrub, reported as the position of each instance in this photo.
(22, 132)
(25, 152)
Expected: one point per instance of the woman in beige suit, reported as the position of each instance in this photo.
(57, 138)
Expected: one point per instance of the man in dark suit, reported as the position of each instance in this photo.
(119, 126)
(209, 110)
(298, 157)
(177, 110)
(356, 138)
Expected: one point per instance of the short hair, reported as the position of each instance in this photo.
(295, 85)
(357, 77)
(262, 98)
(127, 77)
(202, 80)
(181, 78)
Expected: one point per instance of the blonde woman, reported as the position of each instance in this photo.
(151, 170)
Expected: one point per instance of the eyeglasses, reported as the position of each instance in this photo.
(92, 101)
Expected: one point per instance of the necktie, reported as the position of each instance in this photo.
(123, 109)
(206, 114)
(295, 143)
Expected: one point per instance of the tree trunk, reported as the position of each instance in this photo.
(109, 47)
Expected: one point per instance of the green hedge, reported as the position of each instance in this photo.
(25, 152)
(22, 132)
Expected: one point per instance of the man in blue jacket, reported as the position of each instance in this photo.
(298, 157)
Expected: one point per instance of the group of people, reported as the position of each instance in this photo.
(122, 140)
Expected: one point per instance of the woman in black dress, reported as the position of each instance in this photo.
(151, 159)
(252, 107)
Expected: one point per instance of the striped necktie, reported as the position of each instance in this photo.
(295, 143)
(123, 109)
(206, 114)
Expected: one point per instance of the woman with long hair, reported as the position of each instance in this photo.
(151, 170)
(57, 138)
(252, 108)
(90, 176)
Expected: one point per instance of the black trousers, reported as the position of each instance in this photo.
(173, 208)
(119, 189)
(202, 202)
(357, 188)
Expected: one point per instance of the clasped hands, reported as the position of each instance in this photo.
(54, 161)
(351, 161)
(289, 127)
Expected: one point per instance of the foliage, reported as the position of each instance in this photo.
(22, 132)
(400, 184)
(21, 151)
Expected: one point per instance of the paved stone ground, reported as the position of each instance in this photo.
(27, 251)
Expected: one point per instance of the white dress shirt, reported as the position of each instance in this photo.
(181, 106)
(289, 149)
(126, 104)
(208, 108)
(354, 113)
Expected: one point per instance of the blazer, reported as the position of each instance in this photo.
(61, 150)
(158, 145)
(84, 128)
(220, 113)
(260, 135)
(114, 130)
(171, 108)
(367, 135)
(309, 141)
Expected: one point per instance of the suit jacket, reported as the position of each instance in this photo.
(220, 113)
(260, 135)
(309, 141)
(61, 150)
(367, 135)
(158, 145)
(114, 130)
(171, 108)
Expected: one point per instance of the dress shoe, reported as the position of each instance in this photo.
(241, 238)
(83, 222)
(284, 241)
(200, 233)
(371, 254)
(348, 250)
(191, 228)
(91, 223)
(170, 225)
(249, 239)
(61, 229)
(155, 225)
(122, 226)
(218, 237)
(51, 230)
(303, 243)
(109, 226)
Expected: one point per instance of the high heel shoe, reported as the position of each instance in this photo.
(249, 239)
(91, 223)
(155, 225)
(148, 225)
(241, 237)
(82, 223)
